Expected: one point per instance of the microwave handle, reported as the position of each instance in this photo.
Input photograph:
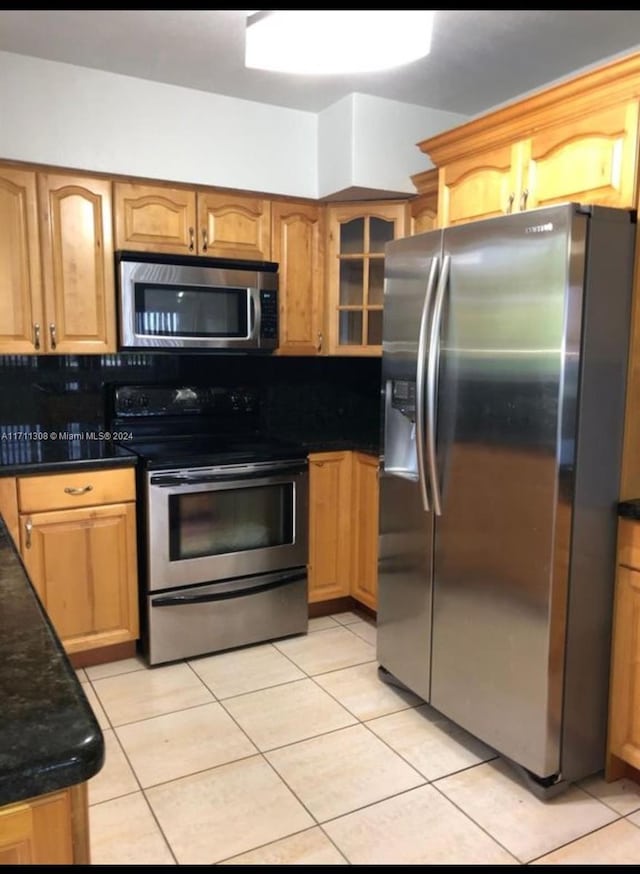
(254, 314)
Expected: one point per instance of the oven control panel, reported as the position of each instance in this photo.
(151, 400)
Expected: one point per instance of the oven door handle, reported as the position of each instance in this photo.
(240, 474)
(254, 589)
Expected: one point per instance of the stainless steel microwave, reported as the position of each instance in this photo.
(188, 303)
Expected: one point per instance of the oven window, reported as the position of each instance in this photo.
(192, 311)
(230, 520)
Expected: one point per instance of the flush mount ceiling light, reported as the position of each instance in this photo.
(320, 42)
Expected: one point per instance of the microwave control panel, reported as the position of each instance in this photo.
(269, 315)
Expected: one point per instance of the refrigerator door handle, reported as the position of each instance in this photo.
(432, 378)
(420, 383)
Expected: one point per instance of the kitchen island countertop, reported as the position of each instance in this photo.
(49, 736)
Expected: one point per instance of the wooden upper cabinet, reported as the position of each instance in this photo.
(21, 309)
(77, 264)
(590, 160)
(234, 226)
(154, 218)
(480, 186)
(357, 237)
(576, 141)
(424, 207)
(57, 292)
(157, 218)
(296, 240)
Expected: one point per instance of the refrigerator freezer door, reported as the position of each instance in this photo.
(508, 374)
(406, 527)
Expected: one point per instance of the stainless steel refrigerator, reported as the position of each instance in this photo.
(504, 365)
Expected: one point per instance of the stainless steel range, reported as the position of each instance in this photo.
(223, 519)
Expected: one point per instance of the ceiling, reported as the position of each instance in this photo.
(478, 60)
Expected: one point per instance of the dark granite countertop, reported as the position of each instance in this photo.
(341, 445)
(49, 736)
(629, 509)
(38, 454)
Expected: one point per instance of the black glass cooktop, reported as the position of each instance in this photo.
(203, 451)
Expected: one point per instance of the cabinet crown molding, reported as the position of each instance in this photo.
(604, 86)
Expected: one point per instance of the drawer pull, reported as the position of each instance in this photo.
(69, 490)
(28, 527)
(52, 334)
(36, 336)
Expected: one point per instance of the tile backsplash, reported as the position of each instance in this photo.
(302, 398)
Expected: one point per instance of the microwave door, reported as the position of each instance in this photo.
(197, 307)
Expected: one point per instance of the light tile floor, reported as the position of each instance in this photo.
(294, 752)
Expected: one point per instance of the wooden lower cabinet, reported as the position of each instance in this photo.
(623, 747)
(48, 830)
(364, 541)
(329, 516)
(343, 527)
(83, 561)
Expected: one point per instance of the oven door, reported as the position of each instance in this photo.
(220, 523)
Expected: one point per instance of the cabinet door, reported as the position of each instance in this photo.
(424, 213)
(589, 160)
(152, 218)
(16, 835)
(20, 275)
(296, 245)
(355, 273)
(329, 524)
(38, 831)
(481, 186)
(624, 705)
(82, 563)
(234, 226)
(364, 581)
(77, 264)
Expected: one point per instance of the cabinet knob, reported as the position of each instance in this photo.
(36, 336)
(509, 208)
(523, 199)
(192, 239)
(205, 240)
(52, 334)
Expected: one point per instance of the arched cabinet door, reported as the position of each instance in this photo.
(296, 244)
(77, 264)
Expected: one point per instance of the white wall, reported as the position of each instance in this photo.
(335, 147)
(385, 134)
(70, 116)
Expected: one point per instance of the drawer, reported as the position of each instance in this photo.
(629, 543)
(62, 491)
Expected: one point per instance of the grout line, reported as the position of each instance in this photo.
(142, 792)
(270, 843)
(575, 840)
(471, 819)
(329, 838)
(602, 800)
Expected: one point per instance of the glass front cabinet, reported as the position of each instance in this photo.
(358, 234)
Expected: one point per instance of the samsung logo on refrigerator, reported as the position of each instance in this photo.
(539, 229)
